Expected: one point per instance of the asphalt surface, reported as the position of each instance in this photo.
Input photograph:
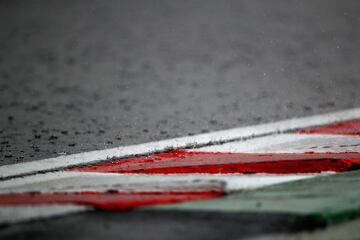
(162, 225)
(85, 75)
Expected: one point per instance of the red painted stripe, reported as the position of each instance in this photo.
(106, 201)
(344, 128)
(180, 161)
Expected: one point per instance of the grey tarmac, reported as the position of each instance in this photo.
(86, 75)
(162, 225)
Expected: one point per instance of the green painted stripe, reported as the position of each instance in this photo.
(333, 198)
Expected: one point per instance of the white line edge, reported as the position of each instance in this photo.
(23, 213)
(102, 182)
(56, 163)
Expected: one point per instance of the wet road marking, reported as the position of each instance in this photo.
(217, 163)
(120, 192)
(333, 199)
(182, 161)
(65, 181)
(20, 213)
(213, 138)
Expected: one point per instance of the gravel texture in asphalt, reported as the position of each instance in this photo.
(85, 75)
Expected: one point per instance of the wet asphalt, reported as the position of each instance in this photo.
(83, 75)
(161, 225)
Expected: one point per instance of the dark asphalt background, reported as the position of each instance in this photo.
(85, 75)
(162, 225)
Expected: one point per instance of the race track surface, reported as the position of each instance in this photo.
(87, 75)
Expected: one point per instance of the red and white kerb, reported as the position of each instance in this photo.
(187, 174)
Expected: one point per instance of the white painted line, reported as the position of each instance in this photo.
(13, 214)
(183, 142)
(66, 182)
(289, 143)
(102, 182)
